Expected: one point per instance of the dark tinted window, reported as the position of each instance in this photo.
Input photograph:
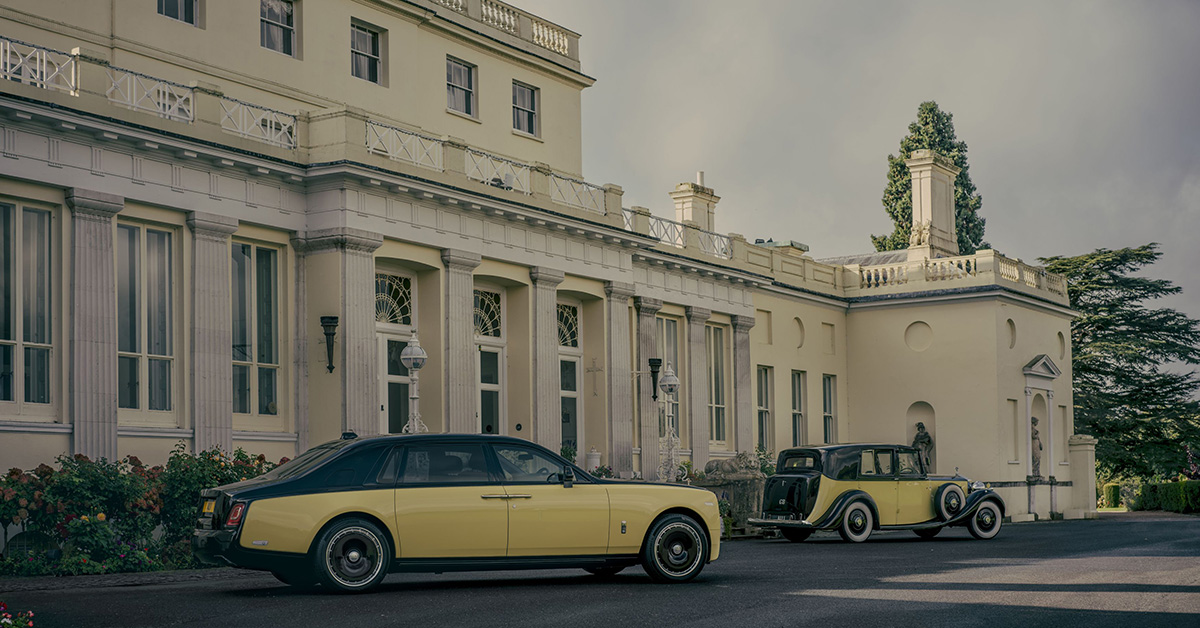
(443, 463)
(525, 465)
(351, 469)
(306, 461)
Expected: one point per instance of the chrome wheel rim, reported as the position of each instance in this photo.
(856, 521)
(953, 502)
(354, 556)
(678, 549)
(986, 519)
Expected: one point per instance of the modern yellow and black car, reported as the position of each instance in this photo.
(856, 489)
(346, 513)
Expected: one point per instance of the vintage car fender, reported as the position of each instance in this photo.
(974, 499)
(830, 519)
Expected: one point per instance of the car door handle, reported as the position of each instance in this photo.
(520, 496)
(493, 496)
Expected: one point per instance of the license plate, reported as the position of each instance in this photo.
(209, 506)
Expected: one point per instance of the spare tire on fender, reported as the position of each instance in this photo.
(948, 501)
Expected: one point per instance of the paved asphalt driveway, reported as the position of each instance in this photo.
(1124, 570)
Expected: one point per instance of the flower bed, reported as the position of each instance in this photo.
(88, 517)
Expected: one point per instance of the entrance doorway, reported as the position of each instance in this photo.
(394, 383)
(491, 385)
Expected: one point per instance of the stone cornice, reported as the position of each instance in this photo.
(543, 276)
(92, 203)
(697, 315)
(742, 324)
(211, 226)
(618, 289)
(456, 259)
(647, 306)
(339, 238)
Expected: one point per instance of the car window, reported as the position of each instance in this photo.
(445, 463)
(906, 463)
(847, 466)
(351, 469)
(798, 462)
(390, 470)
(883, 462)
(524, 465)
(305, 461)
(868, 463)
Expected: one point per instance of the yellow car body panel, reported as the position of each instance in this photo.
(450, 521)
(557, 521)
(636, 506)
(290, 524)
(917, 496)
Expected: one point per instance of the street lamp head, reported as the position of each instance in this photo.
(413, 357)
(669, 382)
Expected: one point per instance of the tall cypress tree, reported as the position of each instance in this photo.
(934, 130)
(1143, 415)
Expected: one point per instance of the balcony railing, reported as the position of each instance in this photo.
(981, 268)
(258, 123)
(501, 16)
(628, 214)
(407, 146)
(879, 276)
(715, 244)
(550, 37)
(146, 93)
(498, 171)
(576, 193)
(667, 231)
(42, 67)
(454, 5)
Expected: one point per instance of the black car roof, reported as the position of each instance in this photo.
(844, 446)
(417, 438)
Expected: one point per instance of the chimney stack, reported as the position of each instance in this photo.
(933, 231)
(695, 202)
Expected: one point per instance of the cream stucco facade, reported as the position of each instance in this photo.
(187, 192)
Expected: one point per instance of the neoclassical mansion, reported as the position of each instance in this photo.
(223, 221)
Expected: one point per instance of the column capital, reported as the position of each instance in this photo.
(455, 259)
(93, 203)
(543, 276)
(618, 289)
(212, 226)
(697, 315)
(1028, 392)
(742, 324)
(338, 238)
(1050, 394)
(647, 306)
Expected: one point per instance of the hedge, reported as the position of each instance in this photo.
(1173, 496)
(1112, 495)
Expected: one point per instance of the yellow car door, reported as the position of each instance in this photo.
(447, 504)
(545, 516)
(877, 477)
(915, 499)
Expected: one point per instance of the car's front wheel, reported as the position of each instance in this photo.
(985, 523)
(857, 523)
(676, 549)
(795, 535)
(352, 556)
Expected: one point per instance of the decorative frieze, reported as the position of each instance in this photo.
(461, 395)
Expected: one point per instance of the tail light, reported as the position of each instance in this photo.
(235, 515)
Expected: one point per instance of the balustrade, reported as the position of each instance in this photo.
(146, 93)
(879, 276)
(402, 145)
(454, 5)
(628, 215)
(258, 123)
(501, 16)
(946, 268)
(42, 67)
(498, 171)
(666, 231)
(550, 37)
(576, 193)
(715, 244)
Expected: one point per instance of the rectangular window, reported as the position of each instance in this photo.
(144, 318)
(365, 61)
(255, 276)
(277, 26)
(525, 106)
(799, 428)
(715, 344)
(668, 347)
(829, 407)
(460, 86)
(25, 338)
(766, 427)
(182, 10)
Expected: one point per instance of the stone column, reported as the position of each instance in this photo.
(211, 337)
(620, 378)
(547, 423)
(647, 408)
(743, 385)
(357, 359)
(1082, 452)
(697, 384)
(461, 393)
(92, 396)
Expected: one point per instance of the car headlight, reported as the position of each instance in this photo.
(977, 486)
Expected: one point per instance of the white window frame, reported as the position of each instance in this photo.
(375, 58)
(142, 415)
(799, 400)
(718, 383)
(573, 354)
(288, 29)
(499, 346)
(18, 407)
(280, 336)
(472, 91)
(535, 97)
(764, 379)
(412, 282)
(668, 404)
(829, 407)
(160, 8)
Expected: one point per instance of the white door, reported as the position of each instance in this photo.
(571, 405)
(394, 384)
(491, 388)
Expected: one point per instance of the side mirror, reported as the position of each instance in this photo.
(568, 477)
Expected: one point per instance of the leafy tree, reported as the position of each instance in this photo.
(1144, 415)
(934, 129)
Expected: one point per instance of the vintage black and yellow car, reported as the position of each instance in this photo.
(346, 513)
(856, 489)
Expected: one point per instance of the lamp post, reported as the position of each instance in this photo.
(668, 444)
(413, 357)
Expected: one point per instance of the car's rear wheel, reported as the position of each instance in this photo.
(949, 501)
(676, 549)
(795, 535)
(985, 523)
(857, 523)
(604, 572)
(927, 533)
(352, 555)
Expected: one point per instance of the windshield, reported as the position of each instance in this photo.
(800, 461)
(305, 461)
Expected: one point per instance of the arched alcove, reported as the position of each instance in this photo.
(1038, 411)
(799, 332)
(922, 412)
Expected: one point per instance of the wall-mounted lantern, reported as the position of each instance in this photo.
(329, 325)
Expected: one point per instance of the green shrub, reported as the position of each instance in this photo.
(1183, 496)
(1112, 495)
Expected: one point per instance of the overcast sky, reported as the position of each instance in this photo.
(1082, 119)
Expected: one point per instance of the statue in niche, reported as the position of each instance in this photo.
(923, 443)
(1036, 448)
